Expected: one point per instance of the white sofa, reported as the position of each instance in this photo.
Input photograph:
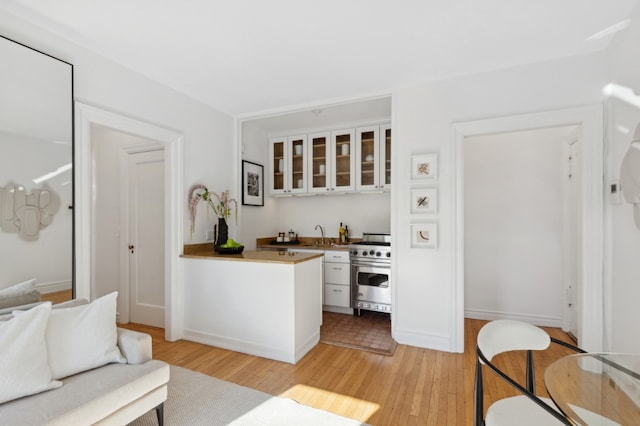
(113, 394)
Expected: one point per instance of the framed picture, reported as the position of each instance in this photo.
(424, 201)
(252, 184)
(424, 166)
(424, 235)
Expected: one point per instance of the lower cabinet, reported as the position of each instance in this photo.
(337, 275)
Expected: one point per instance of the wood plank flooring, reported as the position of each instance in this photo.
(415, 386)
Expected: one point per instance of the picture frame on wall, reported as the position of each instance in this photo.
(424, 166)
(424, 201)
(424, 235)
(252, 184)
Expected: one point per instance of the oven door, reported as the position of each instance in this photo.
(370, 284)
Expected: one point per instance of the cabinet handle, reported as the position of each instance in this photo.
(337, 291)
(337, 269)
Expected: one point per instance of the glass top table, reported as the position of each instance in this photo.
(596, 388)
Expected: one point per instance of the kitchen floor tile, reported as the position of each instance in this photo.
(369, 332)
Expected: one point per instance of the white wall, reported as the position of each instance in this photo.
(623, 280)
(422, 119)
(513, 226)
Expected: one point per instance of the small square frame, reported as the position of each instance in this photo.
(252, 184)
(424, 235)
(424, 166)
(424, 201)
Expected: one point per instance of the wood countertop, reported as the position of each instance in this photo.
(305, 243)
(205, 251)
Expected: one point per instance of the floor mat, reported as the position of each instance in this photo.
(369, 332)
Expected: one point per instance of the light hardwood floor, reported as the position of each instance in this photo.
(415, 386)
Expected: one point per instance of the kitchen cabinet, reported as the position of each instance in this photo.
(337, 276)
(336, 161)
(343, 160)
(373, 157)
(319, 167)
(288, 165)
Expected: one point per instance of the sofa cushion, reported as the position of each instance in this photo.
(83, 337)
(88, 397)
(23, 356)
(19, 294)
(20, 288)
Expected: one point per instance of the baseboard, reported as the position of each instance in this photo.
(53, 287)
(239, 346)
(439, 342)
(544, 321)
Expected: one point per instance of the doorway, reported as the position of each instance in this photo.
(589, 119)
(128, 218)
(520, 217)
(86, 118)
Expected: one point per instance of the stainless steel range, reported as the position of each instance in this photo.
(371, 273)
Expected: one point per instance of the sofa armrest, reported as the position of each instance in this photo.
(134, 346)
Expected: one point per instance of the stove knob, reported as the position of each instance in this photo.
(354, 252)
(378, 254)
(388, 254)
(364, 253)
(372, 252)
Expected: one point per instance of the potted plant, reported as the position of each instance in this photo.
(221, 207)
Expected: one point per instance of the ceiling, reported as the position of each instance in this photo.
(248, 56)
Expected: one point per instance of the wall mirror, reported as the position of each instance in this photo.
(36, 169)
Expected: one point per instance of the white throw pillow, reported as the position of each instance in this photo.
(83, 337)
(23, 354)
(19, 289)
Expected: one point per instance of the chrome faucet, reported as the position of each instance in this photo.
(321, 233)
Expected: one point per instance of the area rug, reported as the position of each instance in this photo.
(369, 332)
(198, 399)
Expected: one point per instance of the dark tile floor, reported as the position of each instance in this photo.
(371, 331)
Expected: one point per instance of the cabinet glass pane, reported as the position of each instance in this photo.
(297, 163)
(367, 159)
(342, 160)
(318, 153)
(386, 140)
(278, 165)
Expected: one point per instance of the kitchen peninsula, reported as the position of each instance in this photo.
(262, 303)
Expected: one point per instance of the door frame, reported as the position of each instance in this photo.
(85, 116)
(590, 120)
(125, 222)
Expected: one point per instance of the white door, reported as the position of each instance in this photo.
(146, 238)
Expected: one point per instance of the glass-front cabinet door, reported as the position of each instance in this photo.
(278, 155)
(297, 177)
(319, 164)
(385, 156)
(343, 160)
(367, 158)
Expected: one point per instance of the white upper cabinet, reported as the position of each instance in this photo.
(278, 155)
(367, 158)
(343, 160)
(297, 158)
(331, 161)
(288, 165)
(319, 166)
(373, 158)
